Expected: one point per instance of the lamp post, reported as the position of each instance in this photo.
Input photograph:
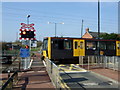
(28, 19)
(55, 26)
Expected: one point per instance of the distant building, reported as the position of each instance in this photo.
(89, 34)
(34, 43)
(11, 46)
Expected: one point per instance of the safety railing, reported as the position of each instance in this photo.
(10, 52)
(110, 62)
(54, 74)
(10, 82)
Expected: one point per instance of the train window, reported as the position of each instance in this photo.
(91, 45)
(81, 45)
(110, 46)
(118, 45)
(55, 44)
(76, 45)
(103, 45)
(45, 44)
(58, 44)
(67, 44)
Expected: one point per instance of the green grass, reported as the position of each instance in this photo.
(35, 49)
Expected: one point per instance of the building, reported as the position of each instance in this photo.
(34, 43)
(89, 34)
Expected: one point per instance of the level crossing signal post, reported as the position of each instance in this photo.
(27, 33)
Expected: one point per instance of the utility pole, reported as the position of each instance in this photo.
(98, 28)
(82, 28)
(98, 32)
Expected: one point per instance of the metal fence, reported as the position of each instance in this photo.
(10, 82)
(89, 62)
(9, 52)
(54, 74)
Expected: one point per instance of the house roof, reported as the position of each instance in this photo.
(95, 34)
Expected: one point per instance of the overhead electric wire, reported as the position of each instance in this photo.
(41, 17)
(37, 11)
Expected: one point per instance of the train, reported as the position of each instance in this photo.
(69, 49)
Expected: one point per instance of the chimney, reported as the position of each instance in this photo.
(87, 29)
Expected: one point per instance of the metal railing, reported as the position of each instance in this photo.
(11, 81)
(110, 62)
(10, 52)
(54, 74)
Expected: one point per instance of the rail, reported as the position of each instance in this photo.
(11, 81)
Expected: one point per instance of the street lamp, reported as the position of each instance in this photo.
(28, 19)
(55, 25)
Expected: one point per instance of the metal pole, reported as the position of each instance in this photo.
(82, 29)
(98, 31)
(55, 28)
(28, 28)
(28, 58)
(98, 19)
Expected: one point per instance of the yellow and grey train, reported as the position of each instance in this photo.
(69, 49)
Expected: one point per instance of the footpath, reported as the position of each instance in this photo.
(106, 73)
(35, 78)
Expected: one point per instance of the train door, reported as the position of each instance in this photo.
(78, 47)
(117, 48)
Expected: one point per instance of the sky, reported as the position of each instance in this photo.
(71, 13)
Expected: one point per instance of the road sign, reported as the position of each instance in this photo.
(24, 52)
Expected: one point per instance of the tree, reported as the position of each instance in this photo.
(112, 36)
(17, 42)
(39, 43)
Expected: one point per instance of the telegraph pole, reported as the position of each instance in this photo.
(98, 27)
(98, 32)
(82, 28)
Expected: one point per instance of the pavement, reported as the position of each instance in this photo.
(95, 78)
(105, 72)
(34, 78)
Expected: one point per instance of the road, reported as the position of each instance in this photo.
(87, 80)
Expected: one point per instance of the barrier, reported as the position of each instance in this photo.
(10, 82)
(110, 62)
(54, 74)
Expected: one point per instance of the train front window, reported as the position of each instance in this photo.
(45, 44)
(91, 45)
